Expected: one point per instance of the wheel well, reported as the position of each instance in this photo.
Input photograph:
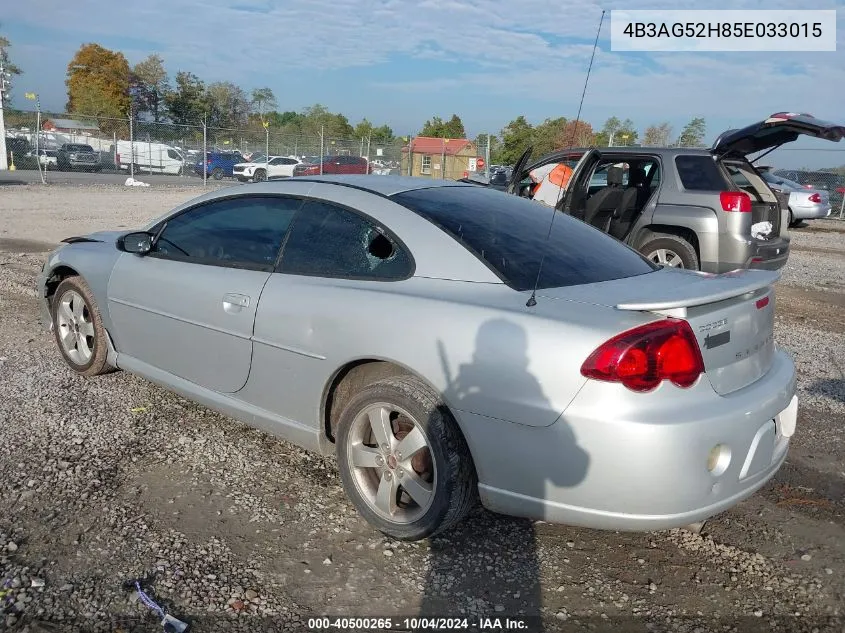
(348, 381)
(680, 231)
(59, 274)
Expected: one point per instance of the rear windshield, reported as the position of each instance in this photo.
(80, 148)
(509, 234)
(700, 173)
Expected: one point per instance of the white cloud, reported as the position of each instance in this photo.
(496, 49)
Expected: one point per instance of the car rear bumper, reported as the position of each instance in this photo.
(618, 460)
(810, 211)
(748, 252)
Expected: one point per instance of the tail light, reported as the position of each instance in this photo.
(815, 198)
(117, 159)
(808, 187)
(645, 356)
(736, 201)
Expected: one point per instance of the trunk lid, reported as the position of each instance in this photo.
(732, 315)
(778, 129)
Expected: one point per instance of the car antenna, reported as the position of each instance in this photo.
(532, 301)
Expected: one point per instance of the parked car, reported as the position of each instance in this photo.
(71, 156)
(828, 181)
(265, 169)
(441, 341)
(704, 209)
(156, 158)
(800, 202)
(334, 165)
(48, 158)
(218, 165)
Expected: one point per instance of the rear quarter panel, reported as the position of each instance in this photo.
(476, 344)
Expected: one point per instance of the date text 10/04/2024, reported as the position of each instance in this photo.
(419, 624)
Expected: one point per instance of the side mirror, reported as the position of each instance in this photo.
(139, 243)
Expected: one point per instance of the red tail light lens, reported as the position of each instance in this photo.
(735, 201)
(644, 357)
(815, 198)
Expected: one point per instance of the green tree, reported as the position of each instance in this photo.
(383, 133)
(7, 63)
(626, 134)
(150, 84)
(481, 142)
(187, 103)
(453, 128)
(547, 135)
(363, 130)
(98, 82)
(318, 117)
(517, 136)
(693, 133)
(263, 100)
(228, 105)
(607, 132)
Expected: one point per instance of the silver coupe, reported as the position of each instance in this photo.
(449, 343)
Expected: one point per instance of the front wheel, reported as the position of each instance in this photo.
(403, 461)
(670, 251)
(259, 176)
(78, 328)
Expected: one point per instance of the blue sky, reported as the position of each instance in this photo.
(401, 62)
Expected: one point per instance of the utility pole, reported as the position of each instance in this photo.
(4, 87)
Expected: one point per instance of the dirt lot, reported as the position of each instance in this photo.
(110, 479)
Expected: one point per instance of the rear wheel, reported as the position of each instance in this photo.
(792, 221)
(403, 461)
(78, 328)
(217, 173)
(670, 251)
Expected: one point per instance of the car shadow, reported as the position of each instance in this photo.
(489, 565)
(833, 388)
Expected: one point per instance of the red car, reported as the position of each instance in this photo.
(335, 165)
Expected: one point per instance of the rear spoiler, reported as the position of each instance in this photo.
(708, 288)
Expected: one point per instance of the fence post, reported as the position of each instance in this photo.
(842, 207)
(321, 150)
(204, 151)
(487, 159)
(131, 144)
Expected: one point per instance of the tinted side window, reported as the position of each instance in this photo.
(330, 241)
(241, 232)
(699, 173)
(509, 234)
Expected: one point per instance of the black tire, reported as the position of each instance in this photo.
(456, 484)
(673, 244)
(791, 220)
(260, 175)
(97, 364)
(217, 173)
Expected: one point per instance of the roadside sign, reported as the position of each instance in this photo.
(479, 163)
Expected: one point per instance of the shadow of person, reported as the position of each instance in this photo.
(489, 567)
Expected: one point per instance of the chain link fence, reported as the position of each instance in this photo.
(144, 148)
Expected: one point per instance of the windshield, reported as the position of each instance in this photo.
(80, 148)
(509, 234)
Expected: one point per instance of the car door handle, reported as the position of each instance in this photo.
(233, 302)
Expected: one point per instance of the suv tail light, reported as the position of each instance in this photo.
(815, 198)
(737, 201)
(645, 356)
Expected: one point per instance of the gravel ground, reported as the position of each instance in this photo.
(107, 480)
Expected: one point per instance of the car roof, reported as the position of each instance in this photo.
(381, 185)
